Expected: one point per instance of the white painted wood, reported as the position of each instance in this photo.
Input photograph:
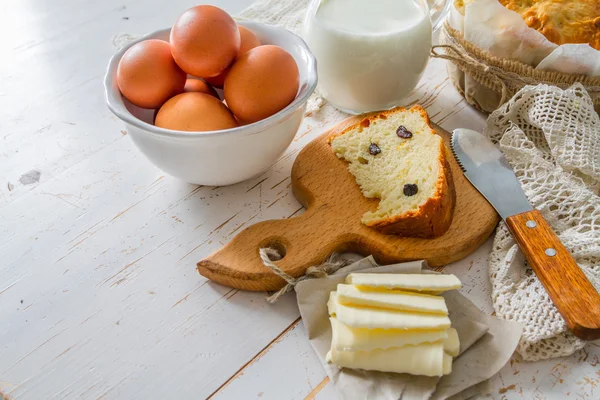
(289, 362)
(108, 283)
(327, 393)
(99, 297)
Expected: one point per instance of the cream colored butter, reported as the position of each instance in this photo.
(372, 318)
(424, 359)
(394, 299)
(346, 338)
(328, 357)
(410, 282)
(447, 365)
(452, 343)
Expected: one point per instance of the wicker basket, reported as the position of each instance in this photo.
(487, 82)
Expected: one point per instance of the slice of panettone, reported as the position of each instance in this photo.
(397, 157)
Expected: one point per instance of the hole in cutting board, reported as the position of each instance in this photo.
(278, 247)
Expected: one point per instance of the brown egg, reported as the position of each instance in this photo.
(204, 41)
(147, 74)
(195, 112)
(262, 81)
(248, 41)
(219, 80)
(198, 85)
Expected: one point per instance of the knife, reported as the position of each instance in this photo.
(571, 292)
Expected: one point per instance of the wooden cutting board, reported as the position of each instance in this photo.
(331, 223)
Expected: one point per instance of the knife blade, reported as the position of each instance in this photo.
(490, 173)
(488, 170)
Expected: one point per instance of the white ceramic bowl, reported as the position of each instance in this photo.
(218, 157)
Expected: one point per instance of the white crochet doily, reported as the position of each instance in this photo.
(551, 138)
(288, 14)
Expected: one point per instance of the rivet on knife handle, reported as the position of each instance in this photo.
(571, 292)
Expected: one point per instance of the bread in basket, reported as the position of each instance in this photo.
(487, 80)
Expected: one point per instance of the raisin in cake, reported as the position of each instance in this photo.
(397, 157)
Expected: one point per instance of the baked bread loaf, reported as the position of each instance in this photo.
(560, 21)
(397, 157)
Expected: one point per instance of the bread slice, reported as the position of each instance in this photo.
(396, 156)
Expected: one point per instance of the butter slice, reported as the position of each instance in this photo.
(328, 357)
(424, 359)
(436, 283)
(345, 338)
(372, 318)
(447, 367)
(394, 299)
(452, 343)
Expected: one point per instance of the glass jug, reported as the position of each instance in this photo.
(370, 53)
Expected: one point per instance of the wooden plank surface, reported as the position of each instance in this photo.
(99, 297)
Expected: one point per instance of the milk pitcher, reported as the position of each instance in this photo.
(370, 53)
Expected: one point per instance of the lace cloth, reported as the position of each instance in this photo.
(551, 138)
(288, 14)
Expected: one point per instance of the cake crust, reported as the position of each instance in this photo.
(433, 217)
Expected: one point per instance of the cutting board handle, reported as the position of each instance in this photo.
(571, 292)
(300, 240)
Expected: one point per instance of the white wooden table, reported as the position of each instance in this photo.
(99, 296)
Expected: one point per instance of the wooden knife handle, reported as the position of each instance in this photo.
(571, 292)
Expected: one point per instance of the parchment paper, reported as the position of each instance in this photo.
(487, 343)
(502, 32)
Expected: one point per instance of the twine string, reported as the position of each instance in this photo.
(467, 63)
(269, 255)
